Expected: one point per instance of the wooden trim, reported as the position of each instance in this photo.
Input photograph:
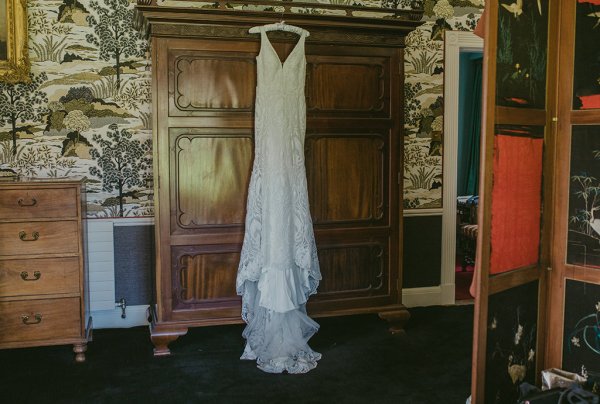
(584, 117)
(549, 191)
(482, 258)
(562, 128)
(455, 42)
(501, 282)
(520, 116)
(180, 22)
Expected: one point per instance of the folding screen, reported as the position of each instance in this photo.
(538, 279)
(516, 158)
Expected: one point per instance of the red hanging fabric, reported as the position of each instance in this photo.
(516, 202)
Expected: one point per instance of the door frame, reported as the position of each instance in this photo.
(456, 42)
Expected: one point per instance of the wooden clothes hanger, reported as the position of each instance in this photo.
(279, 26)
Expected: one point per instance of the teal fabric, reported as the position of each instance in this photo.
(473, 135)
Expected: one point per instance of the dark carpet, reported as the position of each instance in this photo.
(362, 363)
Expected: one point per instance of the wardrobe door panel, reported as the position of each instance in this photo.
(208, 82)
(204, 276)
(210, 176)
(353, 270)
(346, 174)
(348, 84)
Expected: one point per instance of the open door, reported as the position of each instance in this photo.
(515, 222)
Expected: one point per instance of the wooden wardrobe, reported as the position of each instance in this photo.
(204, 79)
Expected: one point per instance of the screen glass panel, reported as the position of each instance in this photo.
(586, 77)
(511, 342)
(522, 53)
(583, 240)
(516, 197)
(581, 346)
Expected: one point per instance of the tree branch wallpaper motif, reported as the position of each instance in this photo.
(583, 241)
(91, 80)
(424, 101)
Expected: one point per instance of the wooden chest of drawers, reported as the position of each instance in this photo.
(43, 279)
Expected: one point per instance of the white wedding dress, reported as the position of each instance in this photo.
(279, 267)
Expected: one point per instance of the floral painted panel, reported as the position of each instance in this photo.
(522, 53)
(511, 342)
(586, 78)
(424, 98)
(583, 241)
(581, 344)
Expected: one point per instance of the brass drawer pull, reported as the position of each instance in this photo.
(25, 319)
(23, 204)
(34, 236)
(36, 276)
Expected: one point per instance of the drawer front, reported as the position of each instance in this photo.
(36, 320)
(39, 238)
(38, 203)
(39, 276)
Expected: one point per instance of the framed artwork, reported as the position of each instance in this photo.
(14, 59)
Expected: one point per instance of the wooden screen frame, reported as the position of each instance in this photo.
(567, 117)
(493, 115)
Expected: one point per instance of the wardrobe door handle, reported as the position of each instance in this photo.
(23, 204)
(36, 276)
(25, 319)
(34, 236)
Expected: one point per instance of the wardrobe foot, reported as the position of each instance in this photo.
(396, 319)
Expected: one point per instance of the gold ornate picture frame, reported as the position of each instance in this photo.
(14, 57)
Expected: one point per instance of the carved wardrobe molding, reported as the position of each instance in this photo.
(204, 80)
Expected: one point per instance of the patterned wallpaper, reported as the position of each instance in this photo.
(87, 110)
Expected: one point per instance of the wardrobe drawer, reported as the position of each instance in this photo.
(39, 238)
(30, 320)
(39, 276)
(38, 203)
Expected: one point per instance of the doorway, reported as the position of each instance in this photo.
(458, 250)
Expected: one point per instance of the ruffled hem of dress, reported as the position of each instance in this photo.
(302, 362)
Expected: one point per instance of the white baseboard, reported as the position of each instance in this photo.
(135, 316)
(428, 296)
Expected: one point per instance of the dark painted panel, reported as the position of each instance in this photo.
(586, 88)
(583, 246)
(522, 54)
(511, 342)
(581, 345)
(422, 258)
(134, 263)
